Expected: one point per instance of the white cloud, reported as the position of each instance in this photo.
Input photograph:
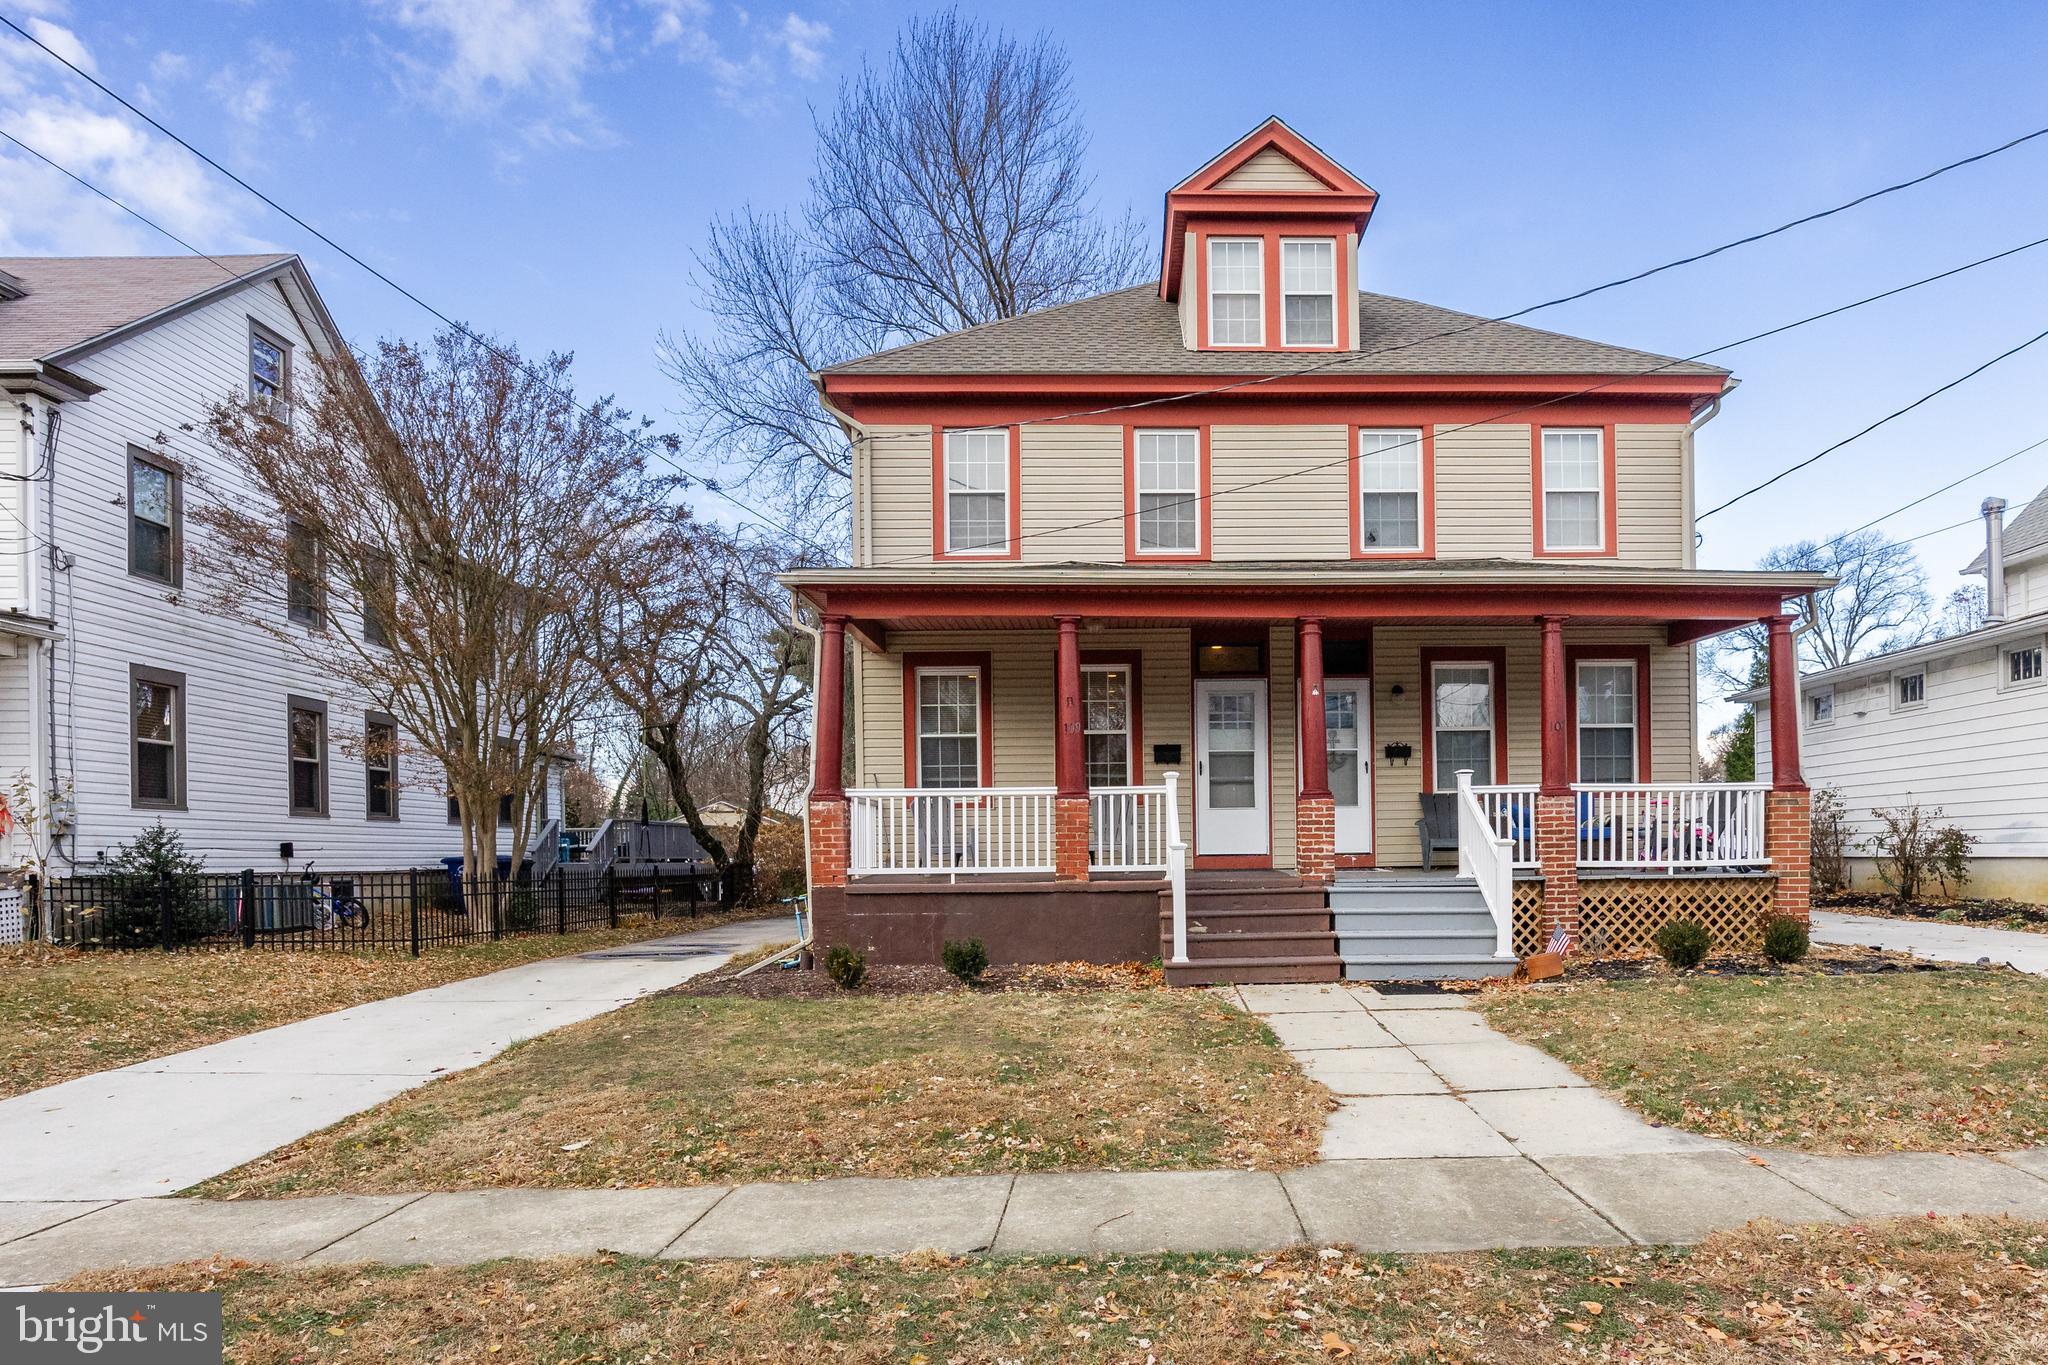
(63, 42)
(749, 79)
(169, 66)
(521, 59)
(804, 41)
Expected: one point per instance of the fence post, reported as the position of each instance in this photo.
(412, 905)
(498, 906)
(163, 908)
(561, 902)
(657, 891)
(36, 928)
(611, 896)
(248, 907)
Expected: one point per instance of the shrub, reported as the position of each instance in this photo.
(1952, 849)
(779, 860)
(1785, 939)
(133, 914)
(1831, 841)
(1683, 943)
(522, 911)
(965, 958)
(846, 967)
(1914, 848)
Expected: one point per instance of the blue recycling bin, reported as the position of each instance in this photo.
(454, 868)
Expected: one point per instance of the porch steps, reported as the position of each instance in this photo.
(1251, 933)
(1414, 929)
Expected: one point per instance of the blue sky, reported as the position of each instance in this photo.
(543, 168)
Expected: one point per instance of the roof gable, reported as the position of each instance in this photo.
(70, 306)
(1273, 141)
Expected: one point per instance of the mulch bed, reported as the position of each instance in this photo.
(794, 983)
(2000, 913)
(1822, 960)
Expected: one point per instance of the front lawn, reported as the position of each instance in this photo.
(67, 1012)
(1909, 1061)
(1915, 1290)
(685, 1089)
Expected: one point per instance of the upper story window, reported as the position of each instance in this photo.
(1574, 490)
(1820, 706)
(1237, 291)
(306, 742)
(1909, 690)
(270, 369)
(1389, 491)
(2023, 666)
(305, 585)
(155, 519)
(379, 592)
(380, 768)
(1169, 479)
(1308, 292)
(978, 492)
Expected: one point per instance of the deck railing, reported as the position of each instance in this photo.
(960, 829)
(1127, 829)
(1486, 857)
(1510, 812)
(1671, 825)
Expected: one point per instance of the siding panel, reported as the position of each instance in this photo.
(1299, 517)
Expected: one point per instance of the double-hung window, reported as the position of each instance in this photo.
(380, 768)
(305, 585)
(948, 727)
(155, 517)
(1106, 724)
(1389, 491)
(306, 739)
(1574, 490)
(1169, 475)
(1237, 291)
(270, 369)
(1461, 721)
(156, 738)
(1607, 720)
(1308, 292)
(379, 594)
(978, 492)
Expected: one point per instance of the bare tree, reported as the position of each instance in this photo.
(949, 189)
(424, 527)
(1962, 611)
(1880, 604)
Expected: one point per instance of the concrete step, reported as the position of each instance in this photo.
(1447, 895)
(1423, 967)
(1247, 971)
(1426, 942)
(1283, 944)
(1376, 920)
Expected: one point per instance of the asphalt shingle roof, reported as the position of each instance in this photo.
(73, 299)
(1134, 331)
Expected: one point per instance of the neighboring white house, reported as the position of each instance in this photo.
(114, 683)
(1961, 723)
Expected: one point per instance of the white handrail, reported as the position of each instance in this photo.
(1177, 868)
(954, 829)
(1488, 859)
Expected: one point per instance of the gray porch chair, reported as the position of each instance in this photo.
(1438, 827)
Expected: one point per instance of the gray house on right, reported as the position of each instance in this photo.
(1961, 723)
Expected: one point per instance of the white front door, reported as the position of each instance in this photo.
(1347, 719)
(1231, 809)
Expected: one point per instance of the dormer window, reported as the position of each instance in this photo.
(1308, 292)
(1237, 307)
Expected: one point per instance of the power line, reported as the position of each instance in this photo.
(1954, 483)
(1199, 498)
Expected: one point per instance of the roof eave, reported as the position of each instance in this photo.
(48, 380)
(113, 336)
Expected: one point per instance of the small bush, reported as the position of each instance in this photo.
(136, 879)
(1913, 849)
(1832, 840)
(846, 967)
(965, 958)
(1683, 943)
(1785, 939)
(522, 911)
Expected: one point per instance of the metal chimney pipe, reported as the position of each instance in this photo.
(1994, 561)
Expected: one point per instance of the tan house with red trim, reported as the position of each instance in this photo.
(1176, 614)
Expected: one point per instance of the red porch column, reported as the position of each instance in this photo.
(827, 814)
(1788, 809)
(1070, 777)
(1557, 821)
(1315, 813)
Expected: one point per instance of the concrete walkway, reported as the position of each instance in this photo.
(156, 1127)
(1935, 940)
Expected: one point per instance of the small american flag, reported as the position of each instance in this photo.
(1560, 941)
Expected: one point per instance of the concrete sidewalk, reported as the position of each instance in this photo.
(159, 1126)
(1936, 941)
(1396, 1205)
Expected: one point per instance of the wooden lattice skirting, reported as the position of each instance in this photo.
(1623, 914)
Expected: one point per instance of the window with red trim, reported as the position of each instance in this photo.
(948, 717)
(1106, 727)
(1464, 719)
(1608, 719)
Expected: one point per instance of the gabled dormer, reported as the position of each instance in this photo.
(1261, 247)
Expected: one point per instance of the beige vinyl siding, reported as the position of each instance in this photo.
(1300, 517)
(1072, 474)
(899, 464)
(1649, 486)
(1270, 170)
(1483, 492)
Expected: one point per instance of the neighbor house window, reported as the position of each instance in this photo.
(1308, 293)
(270, 368)
(948, 727)
(1607, 721)
(157, 738)
(306, 737)
(156, 515)
(2023, 665)
(1820, 706)
(1574, 489)
(379, 592)
(977, 492)
(1389, 490)
(305, 586)
(1106, 724)
(1169, 482)
(1462, 721)
(1237, 307)
(380, 768)
(1909, 690)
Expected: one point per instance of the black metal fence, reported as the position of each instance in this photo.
(411, 910)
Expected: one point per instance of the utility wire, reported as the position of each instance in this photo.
(1954, 483)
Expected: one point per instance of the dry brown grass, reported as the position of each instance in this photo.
(66, 1012)
(681, 1090)
(1920, 1291)
(1916, 1061)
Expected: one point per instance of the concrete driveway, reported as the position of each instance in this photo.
(158, 1126)
(1936, 941)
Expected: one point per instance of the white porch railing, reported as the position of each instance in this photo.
(1488, 859)
(963, 829)
(1127, 828)
(1671, 825)
(1510, 812)
(1177, 868)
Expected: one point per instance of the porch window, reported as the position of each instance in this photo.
(1340, 744)
(1169, 472)
(1390, 490)
(1237, 309)
(977, 492)
(1462, 720)
(1308, 292)
(1106, 724)
(949, 727)
(1574, 485)
(1607, 721)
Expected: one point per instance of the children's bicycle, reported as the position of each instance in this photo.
(340, 908)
